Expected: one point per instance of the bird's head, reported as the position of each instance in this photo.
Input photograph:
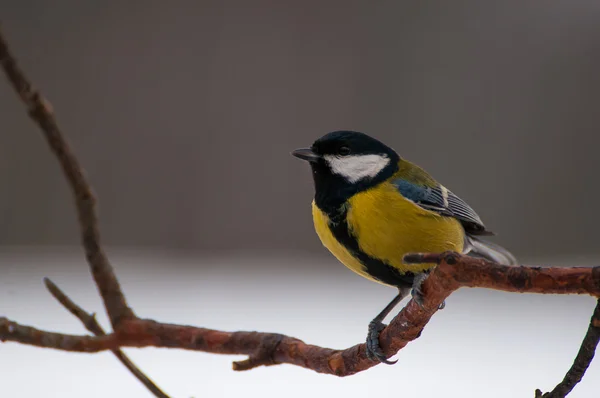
(347, 162)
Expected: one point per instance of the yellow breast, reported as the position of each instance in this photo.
(387, 226)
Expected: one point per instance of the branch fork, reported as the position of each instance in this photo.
(264, 354)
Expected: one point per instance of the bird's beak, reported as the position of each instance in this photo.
(306, 154)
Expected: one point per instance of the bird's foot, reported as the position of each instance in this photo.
(374, 351)
(417, 291)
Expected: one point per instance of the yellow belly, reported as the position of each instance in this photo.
(387, 226)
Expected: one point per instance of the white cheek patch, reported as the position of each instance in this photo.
(355, 168)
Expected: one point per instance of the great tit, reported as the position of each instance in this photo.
(372, 207)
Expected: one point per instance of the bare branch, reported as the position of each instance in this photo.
(453, 272)
(474, 272)
(13, 331)
(91, 324)
(582, 360)
(41, 112)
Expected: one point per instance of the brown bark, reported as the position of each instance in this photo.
(91, 324)
(582, 360)
(454, 271)
(41, 112)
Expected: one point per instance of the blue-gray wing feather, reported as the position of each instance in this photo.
(442, 201)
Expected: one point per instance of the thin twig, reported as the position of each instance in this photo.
(582, 360)
(41, 112)
(91, 324)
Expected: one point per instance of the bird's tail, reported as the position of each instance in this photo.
(489, 251)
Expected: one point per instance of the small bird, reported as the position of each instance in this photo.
(372, 207)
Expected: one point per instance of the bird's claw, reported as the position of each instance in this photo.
(417, 291)
(374, 351)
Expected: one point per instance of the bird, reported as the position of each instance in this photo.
(371, 207)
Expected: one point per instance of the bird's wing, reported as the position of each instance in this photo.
(416, 185)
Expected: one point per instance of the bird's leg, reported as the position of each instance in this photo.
(417, 290)
(374, 351)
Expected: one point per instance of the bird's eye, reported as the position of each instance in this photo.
(344, 151)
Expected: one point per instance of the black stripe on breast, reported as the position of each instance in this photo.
(374, 267)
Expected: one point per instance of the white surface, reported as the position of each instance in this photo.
(484, 343)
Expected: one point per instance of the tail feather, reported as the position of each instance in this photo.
(489, 251)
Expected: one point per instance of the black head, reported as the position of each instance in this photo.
(345, 163)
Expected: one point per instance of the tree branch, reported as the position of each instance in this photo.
(41, 112)
(91, 324)
(453, 272)
(582, 360)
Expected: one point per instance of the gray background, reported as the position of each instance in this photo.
(184, 114)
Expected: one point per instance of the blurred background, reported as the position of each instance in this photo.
(183, 115)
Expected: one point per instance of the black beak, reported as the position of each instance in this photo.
(306, 154)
